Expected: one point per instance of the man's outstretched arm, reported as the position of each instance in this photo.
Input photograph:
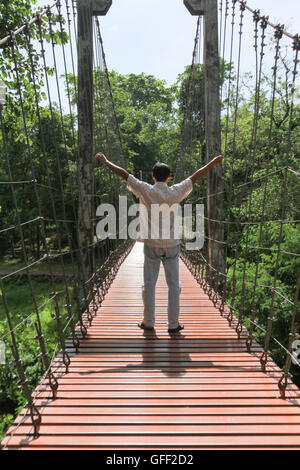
(205, 169)
(114, 168)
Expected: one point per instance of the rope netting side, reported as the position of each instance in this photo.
(39, 225)
(191, 143)
(259, 121)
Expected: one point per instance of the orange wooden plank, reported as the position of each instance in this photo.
(150, 410)
(159, 441)
(142, 429)
(200, 420)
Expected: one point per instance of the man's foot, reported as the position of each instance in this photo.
(177, 329)
(144, 327)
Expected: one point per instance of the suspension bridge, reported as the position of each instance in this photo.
(106, 384)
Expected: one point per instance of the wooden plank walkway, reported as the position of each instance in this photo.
(127, 389)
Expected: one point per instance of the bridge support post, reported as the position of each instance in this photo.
(86, 9)
(215, 188)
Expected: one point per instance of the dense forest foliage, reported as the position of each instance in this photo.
(153, 119)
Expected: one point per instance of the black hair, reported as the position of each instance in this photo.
(161, 171)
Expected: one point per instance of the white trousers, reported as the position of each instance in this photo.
(153, 257)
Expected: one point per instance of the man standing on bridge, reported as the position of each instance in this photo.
(157, 247)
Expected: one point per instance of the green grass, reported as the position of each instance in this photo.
(9, 266)
(20, 303)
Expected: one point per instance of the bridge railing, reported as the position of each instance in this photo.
(259, 91)
(42, 260)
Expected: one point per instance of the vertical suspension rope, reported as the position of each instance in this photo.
(278, 35)
(179, 165)
(263, 25)
(230, 79)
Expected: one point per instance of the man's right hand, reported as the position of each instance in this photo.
(114, 168)
(100, 156)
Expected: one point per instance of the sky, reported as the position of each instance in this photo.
(157, 36)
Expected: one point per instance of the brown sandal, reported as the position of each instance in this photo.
(144, 327)
(177, 329)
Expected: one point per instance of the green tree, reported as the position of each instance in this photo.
(147, 119)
